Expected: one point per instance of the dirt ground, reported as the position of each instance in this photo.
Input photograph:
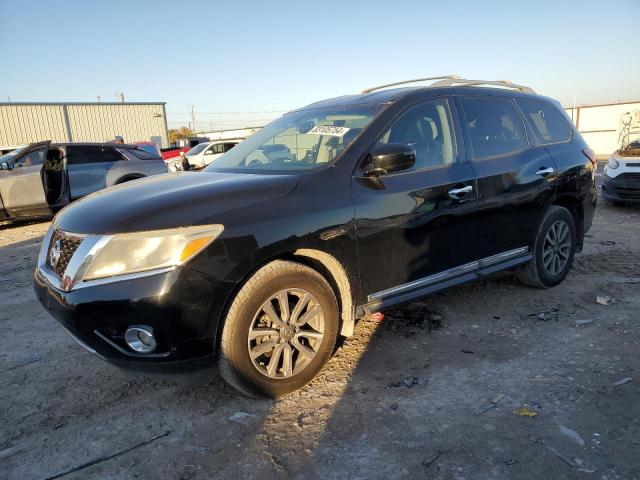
(398, 400)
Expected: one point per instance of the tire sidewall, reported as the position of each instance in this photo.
(558, 213)
(239, 356)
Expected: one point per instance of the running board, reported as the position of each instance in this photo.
(434, 283)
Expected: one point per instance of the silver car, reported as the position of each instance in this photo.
(44, 177)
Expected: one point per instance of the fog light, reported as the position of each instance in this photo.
(140, 339)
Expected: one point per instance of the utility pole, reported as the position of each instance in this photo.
(120, 96)
(9, 98)
(98, 97)
(193, 119)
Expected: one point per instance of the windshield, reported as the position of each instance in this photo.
(8, 156)
(197, 149)
(298, 141)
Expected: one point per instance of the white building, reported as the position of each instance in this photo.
(604, 126)
(22, 123)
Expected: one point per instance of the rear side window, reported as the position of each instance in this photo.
(143, 154)
(548, 124)
(494, 126)
(92, 154)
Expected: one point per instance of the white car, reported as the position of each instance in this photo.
(621, 179)
(204, 153)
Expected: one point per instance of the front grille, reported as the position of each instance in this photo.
(69, 243)
(629, 176)
(629, 193)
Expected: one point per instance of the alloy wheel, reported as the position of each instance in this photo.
(286, 333)
(557, 247)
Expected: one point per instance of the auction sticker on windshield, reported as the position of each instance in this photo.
(330, 130)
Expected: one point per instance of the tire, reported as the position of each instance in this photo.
(307, 347)
(536, 273)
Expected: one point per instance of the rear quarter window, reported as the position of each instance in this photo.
(547, 123)
(494, 125)
(143, 154)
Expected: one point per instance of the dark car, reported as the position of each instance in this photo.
(44, 177)
(383, 197)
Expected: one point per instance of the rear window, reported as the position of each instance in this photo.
(78, 154)
(548, 124)
(495, 127)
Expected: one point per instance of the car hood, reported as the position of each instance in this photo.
(171, 200)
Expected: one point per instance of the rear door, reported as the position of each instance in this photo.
(516, 180)
(91, 168)
(417, 227)
(21, 186)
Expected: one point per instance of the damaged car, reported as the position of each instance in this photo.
(43, 177)
(337, 210)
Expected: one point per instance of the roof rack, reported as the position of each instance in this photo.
(450, 82)
(442, 77)
(453, 80)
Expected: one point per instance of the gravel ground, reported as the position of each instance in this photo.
(398, 400)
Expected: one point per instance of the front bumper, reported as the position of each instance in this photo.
(621, 188)
(182, 306)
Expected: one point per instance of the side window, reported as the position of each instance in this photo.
(548, 124)
(228, 146)
(426, 127)
(80, 154)
(219, 148)
(494, 126)
(34, 157)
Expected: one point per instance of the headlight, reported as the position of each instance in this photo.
(613, 163)
(126, 253)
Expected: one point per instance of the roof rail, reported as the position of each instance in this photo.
(450, 82)
(443, 78)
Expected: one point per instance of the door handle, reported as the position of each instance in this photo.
(544, 171)
(459, 193)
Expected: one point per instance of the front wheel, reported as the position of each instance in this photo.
(553, 250)
(280, 330)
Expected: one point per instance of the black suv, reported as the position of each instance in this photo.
(263, 260)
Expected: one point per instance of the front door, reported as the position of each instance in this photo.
(21, 185)
(417, 226)
(515, 180)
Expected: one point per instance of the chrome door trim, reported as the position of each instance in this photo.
(446, 274)
(501, 257)
(452, 272)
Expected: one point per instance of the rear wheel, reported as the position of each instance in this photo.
(280, 330)
(553, 250)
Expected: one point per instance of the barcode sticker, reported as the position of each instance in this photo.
(329, 130)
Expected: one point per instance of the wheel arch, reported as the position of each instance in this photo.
(333, 271)
(129, 176)
(575, 208)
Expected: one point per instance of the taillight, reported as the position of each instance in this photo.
(591, 155)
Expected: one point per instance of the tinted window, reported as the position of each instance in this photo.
(548, 124)
(144, 154)
(427, 128)
(92, 154)
(494, 126)
(32, 158)
(228, 146)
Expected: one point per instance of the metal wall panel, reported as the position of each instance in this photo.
(91, 122)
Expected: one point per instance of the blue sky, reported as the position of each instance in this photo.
(268, 57)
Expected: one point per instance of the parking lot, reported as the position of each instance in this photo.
(488, 380)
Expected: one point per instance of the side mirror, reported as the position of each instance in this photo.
(4, 166)
(390, 157)
(209, 152)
